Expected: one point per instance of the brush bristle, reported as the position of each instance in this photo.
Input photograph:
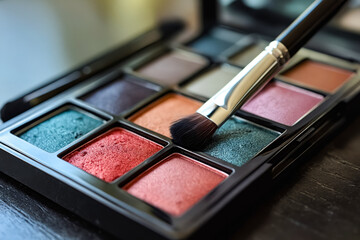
(193, 132)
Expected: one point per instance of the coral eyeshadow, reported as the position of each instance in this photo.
(159, 115)
(318, 76)
(176, 183)
(113, 154)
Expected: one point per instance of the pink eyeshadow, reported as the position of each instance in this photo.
(282, 103)
(113, 154)
(175, 184)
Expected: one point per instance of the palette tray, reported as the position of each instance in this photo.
(103, 149)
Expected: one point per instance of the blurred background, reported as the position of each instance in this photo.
(42, 39)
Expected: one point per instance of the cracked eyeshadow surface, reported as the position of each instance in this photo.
(237, 141)
(60, 130)
(113, 154)
(176, 183)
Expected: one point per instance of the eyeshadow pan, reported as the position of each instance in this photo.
(119, 96)
(210, 45)
(212, 81)
(159, 115)
(245, 56)
(282, 103)
(215, 42)
(238, 141)
(318, 76)
(175, 184)
(113, 154)
(172, 67)
(60, 130)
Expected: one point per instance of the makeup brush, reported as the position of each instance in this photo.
(196, 130)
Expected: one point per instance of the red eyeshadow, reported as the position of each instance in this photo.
(113, 154)
(176, 183)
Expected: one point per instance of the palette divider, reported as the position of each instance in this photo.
(191, 95)
(261, 121)
(86, 108)
(87, 138)
(146, 102)
(149, 134)
(283, 79)
(142, 167)
(308, 54)
(209, 67)
(145, 57)
(244, 43)
(87, 87)
(205, 159)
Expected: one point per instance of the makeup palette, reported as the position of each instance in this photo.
(103, 150)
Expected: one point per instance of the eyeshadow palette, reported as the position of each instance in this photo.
(105, 144)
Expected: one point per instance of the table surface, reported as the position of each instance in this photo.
(319, 200)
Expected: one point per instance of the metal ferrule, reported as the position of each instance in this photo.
(245, 85)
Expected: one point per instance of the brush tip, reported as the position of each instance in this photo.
(193, 132)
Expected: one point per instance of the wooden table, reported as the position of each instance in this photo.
(320, 200)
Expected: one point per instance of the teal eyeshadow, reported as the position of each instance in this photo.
(237, 141)
(60, 130)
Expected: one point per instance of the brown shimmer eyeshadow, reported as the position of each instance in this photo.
(173, 67)
(318, 76)
(159, 115)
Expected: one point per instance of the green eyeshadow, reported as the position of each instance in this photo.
(60, 130)
(238, 141)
